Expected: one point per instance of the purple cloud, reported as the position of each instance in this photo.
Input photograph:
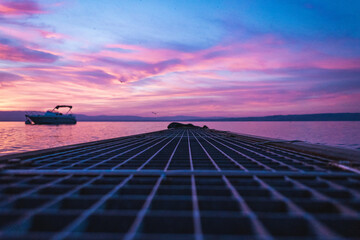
(95, 76)
(16, 53)
(140, 65)
(8, 77)
(19, 7)
(142, 69)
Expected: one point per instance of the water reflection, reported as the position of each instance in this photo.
(18, 137)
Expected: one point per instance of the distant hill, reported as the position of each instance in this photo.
(20, 116)
(12, 116)
(81, 117)
(302, 117)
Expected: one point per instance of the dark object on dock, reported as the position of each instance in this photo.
(176, 184)
(177, 125)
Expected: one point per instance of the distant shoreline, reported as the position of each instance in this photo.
(202, 121)
(321, 117)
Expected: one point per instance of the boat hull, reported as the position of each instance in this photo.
(52, 119)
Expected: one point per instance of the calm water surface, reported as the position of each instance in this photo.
(18, 137)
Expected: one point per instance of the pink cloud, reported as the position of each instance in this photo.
(131, 63)
(338, 63)
(265, 74)
(31, 34)
(52, 35)
(19, 7)
(138, 53)
(263, 53)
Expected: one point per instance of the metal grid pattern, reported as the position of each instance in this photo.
(209, 151)
(177, 184)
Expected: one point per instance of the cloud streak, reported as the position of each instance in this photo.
(24, 54)
(19, 7)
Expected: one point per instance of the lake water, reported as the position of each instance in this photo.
(19, 137)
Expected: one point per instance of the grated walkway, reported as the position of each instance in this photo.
(177, 184)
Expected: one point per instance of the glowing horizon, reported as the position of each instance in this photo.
(202, 58)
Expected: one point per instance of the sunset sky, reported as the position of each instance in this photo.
(200, 58)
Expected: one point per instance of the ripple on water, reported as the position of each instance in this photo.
(18, 137)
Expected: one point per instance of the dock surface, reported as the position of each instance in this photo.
(177, 184)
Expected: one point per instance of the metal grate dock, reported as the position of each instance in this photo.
(177, 184)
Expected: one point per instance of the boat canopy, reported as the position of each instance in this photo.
(63, 106)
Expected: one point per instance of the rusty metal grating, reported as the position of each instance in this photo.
(177, 184)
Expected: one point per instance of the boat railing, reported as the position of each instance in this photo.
(34, 113)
